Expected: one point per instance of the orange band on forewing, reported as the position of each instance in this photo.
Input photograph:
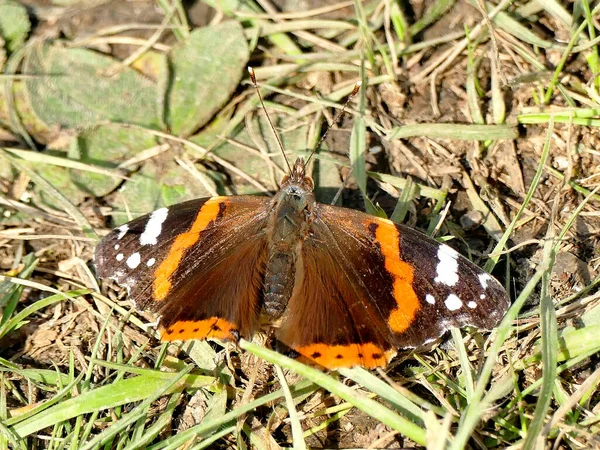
(163, 273)
(367, 355)
(402, 273)
(199, 329)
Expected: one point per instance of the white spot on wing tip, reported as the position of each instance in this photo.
(123, 229)
(448, 251)
(133, 261)
(472, 305)
(484, 279)
(453, 303)
(151, 262)
(447, 267)
(430, 299)
(117, 246)
(120, 257)
(154, 227)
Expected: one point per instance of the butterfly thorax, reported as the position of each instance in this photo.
(289, 225)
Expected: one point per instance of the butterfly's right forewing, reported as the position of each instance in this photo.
(199, 265)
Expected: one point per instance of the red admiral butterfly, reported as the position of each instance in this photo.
(340, 287)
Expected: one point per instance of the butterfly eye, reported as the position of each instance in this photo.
(310, 184)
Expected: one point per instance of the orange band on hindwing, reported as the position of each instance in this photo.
(198, 329)
(387, 235)
(366, 355)
(162, 276)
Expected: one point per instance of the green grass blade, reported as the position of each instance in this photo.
(71, 209)
(40, 304)
(532, 188)
(455, 131)
(549, 354)
(297, 433)
(382, 389)
(139, 410)
(42, 159)
(211, 425)
(371, 407)
(561, 64)
(404, 201)
(105, 397)
(467, 370)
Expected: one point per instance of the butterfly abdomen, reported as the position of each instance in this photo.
(278, 284)
(288, 227)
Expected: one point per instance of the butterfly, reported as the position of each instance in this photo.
(338, 287)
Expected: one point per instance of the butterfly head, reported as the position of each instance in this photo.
(297, 182)
(293, 205)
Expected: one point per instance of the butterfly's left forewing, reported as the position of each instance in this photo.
(377, 286)
(199, 265)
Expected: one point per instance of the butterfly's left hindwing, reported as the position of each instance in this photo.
(197, 264)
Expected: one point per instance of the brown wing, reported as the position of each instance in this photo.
(370, 286)
(198, 264)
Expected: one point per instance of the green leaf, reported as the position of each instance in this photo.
(204, 71)
(591, 317)
(404, 202)
(578, 341)
(106, 146)
(260, 138)
(217, 406)
(159, 183)
(512, 26)
(77, 88)
(433, 13)
(14, 25)
(60, 179)
(14, 102)
(327, 180)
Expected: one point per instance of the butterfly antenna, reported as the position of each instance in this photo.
(253, 78)
(335, 119)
